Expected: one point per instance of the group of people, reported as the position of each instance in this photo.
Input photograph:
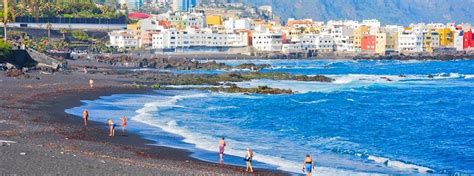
(248, 155)
(308, 164)
(110, 123)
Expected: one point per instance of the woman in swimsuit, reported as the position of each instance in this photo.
(111, 127)
(308, 165)
(222, 145)
(85, 116)
(248, 160)
(124, 124)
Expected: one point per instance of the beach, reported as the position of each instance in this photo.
(39, 138)
(356, 117)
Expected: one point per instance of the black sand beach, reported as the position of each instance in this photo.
(39, 138)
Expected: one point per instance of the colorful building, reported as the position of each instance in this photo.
(358, 34)
(430, 41)
(446, 37)
(213, 20)
(468, 40)
(380, 42)
(368, 44)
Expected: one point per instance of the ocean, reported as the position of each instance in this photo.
(377, 117)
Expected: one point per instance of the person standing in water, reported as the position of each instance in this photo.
(222, 145)
(124, 124)
(248, 160)
(111, 127)
(308, 165)
(85, 117)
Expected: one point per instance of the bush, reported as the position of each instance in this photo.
(5, 48)
(79, 35)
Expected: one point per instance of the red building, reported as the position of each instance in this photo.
(367, 44)
(468, 39)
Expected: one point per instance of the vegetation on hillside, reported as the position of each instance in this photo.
(66, 8)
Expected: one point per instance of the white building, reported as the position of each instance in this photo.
(343, 37)
(410, 42)
(149, 25)
(239, 24)
(459, 40)
(267, 41)
(125, 39)
(325, 43)
(372, 23)
(172, 38)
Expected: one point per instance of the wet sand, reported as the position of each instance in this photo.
(50, 142)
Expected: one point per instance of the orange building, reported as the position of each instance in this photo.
(368, 44)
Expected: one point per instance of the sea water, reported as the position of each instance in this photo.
(395, 117)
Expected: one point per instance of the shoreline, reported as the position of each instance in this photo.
(57, 130)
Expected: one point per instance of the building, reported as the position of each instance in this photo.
(325, 43)
(446, 37)
(134, 4)
(459, 40)
(183, 5)
(358, 34)
(343, 37)
(267, 41)
(124, 39)
(468, 41)
(410, 41)
(173, 38)
(380, 42)
(239, 24)
(368, 44)
(430, 41)
(213, 20)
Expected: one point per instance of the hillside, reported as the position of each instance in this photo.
(387, 11)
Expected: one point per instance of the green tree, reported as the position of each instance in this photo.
(5, 48)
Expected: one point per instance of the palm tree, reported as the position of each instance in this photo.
(48, 26)
(63, 32)
(5, 18)
(7, 10)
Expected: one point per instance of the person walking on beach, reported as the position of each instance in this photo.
(248, 160)
(111, 127)
(308, 165)
(85, 117)
(222, 145)
(91, 83)
(124, 124)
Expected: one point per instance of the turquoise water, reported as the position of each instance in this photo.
(396, 117)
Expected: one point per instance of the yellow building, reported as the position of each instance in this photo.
(380, 42)
(391, 41)
(213, 20)
(430, 41)
(446, 37)
(132, 26)
(358, 33)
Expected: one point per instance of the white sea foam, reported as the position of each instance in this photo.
(349, 82)
(205, 142)
(310, 102)
(468, 76)
(400, 165)
(221, 107)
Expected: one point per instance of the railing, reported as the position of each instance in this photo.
(119, 20)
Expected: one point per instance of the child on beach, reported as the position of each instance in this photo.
(248, 160)
(111, 127)
(222, 145)
(124, 124)
(85, 117)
